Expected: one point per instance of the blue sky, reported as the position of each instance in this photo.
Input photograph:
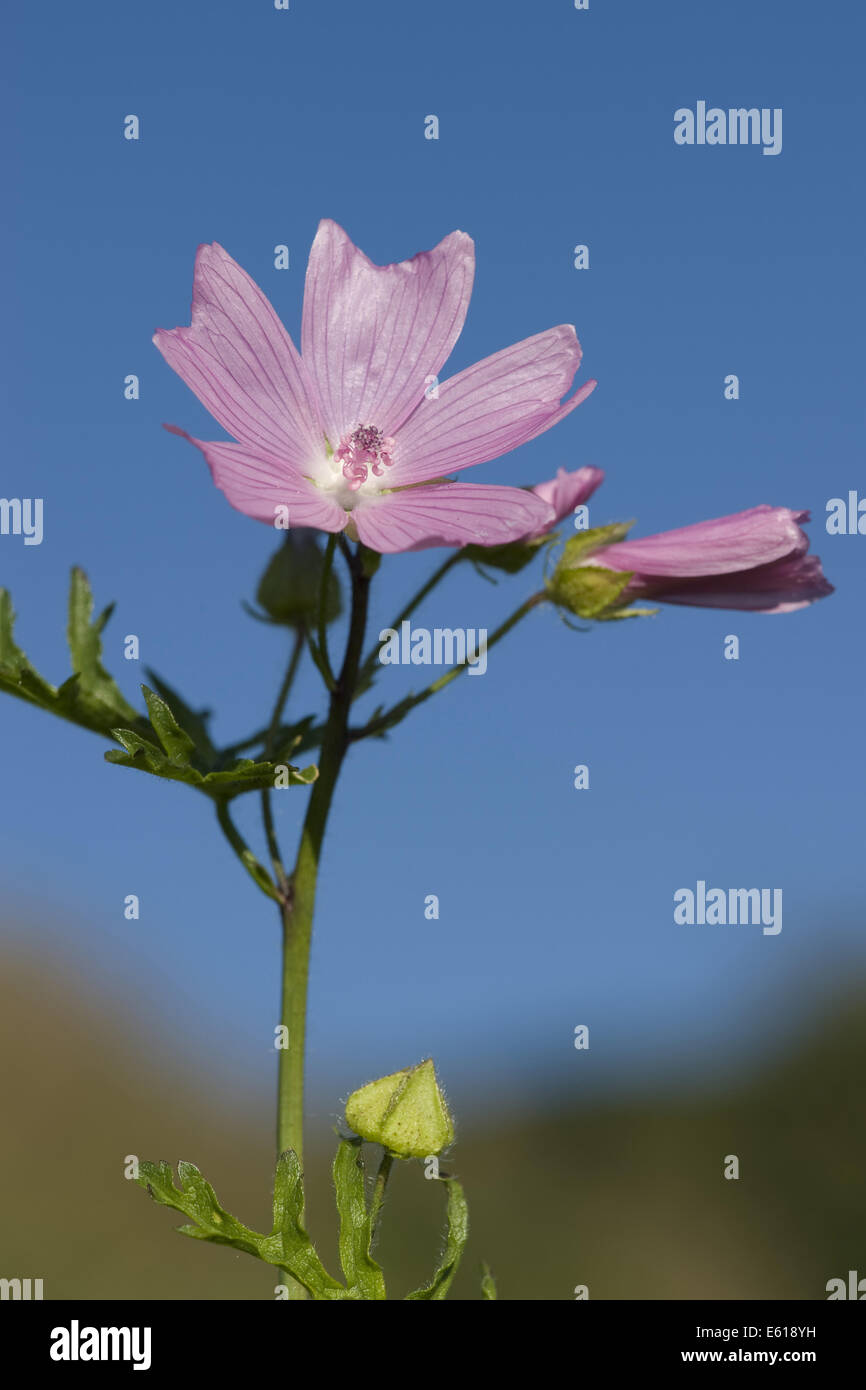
(556, 128)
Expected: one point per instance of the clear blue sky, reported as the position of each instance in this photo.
(556, 905)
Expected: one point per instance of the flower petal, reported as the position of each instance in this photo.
(257, 483)
(781, 587)
(449, 514)
(241, 363)
(722, 546)
(491, 407)
(567, 490)
(372, 334)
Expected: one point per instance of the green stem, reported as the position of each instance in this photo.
(372, 657)
(399, 711)
(379, 1193)
(257, 872)
(319, 648)
(270, 737)
(297, 910)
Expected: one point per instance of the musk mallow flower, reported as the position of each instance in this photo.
(356, 432)
(755, 560)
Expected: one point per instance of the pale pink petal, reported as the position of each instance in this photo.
(780, 587)
(449, 514)
(257, 483)
(372, 335)
(241, 363)
(722, 546)
(568, 490)
(491, 407)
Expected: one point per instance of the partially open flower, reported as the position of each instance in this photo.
(754, 560)
(405, 1113)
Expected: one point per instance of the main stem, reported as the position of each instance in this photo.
(297, 910)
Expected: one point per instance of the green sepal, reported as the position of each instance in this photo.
(615, 613)
(588, 590)
(364, 1277)
(585, 543)
(370, 561)
(455, 1243)
(511, 558)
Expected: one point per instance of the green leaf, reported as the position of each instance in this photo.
(290, 1241)
(89, 697)
(488, 1283)
(97, 689)
(16, 674)
(364, 1278)
(196, 1198)
(455, 1243)
(177, 744)
(193, 721)
(242, 776)
(287, 1246)
(588, 590)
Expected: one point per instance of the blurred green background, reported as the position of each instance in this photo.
(624, 1193)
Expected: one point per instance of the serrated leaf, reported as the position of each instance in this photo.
(290, 1243)
(196, 1198)
(243, 776)
(287, 1246)
(95, 686)
(193, 721)
(176, 742)
(455, 1243)
(364, 1278)
(16, 673)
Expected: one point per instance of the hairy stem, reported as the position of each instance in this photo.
(379, 1187)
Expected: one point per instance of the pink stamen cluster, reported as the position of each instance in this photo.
(365, 450)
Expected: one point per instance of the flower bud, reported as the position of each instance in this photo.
(405, 1113)
(290, 587)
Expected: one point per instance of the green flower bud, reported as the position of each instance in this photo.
(290, 587)
(405, 1113)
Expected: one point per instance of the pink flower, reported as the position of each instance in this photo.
(566, 491)
(753, 560)
(357, 432)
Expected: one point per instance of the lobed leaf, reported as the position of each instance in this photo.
(364, 1278)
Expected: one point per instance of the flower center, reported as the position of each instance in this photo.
(366, 450)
